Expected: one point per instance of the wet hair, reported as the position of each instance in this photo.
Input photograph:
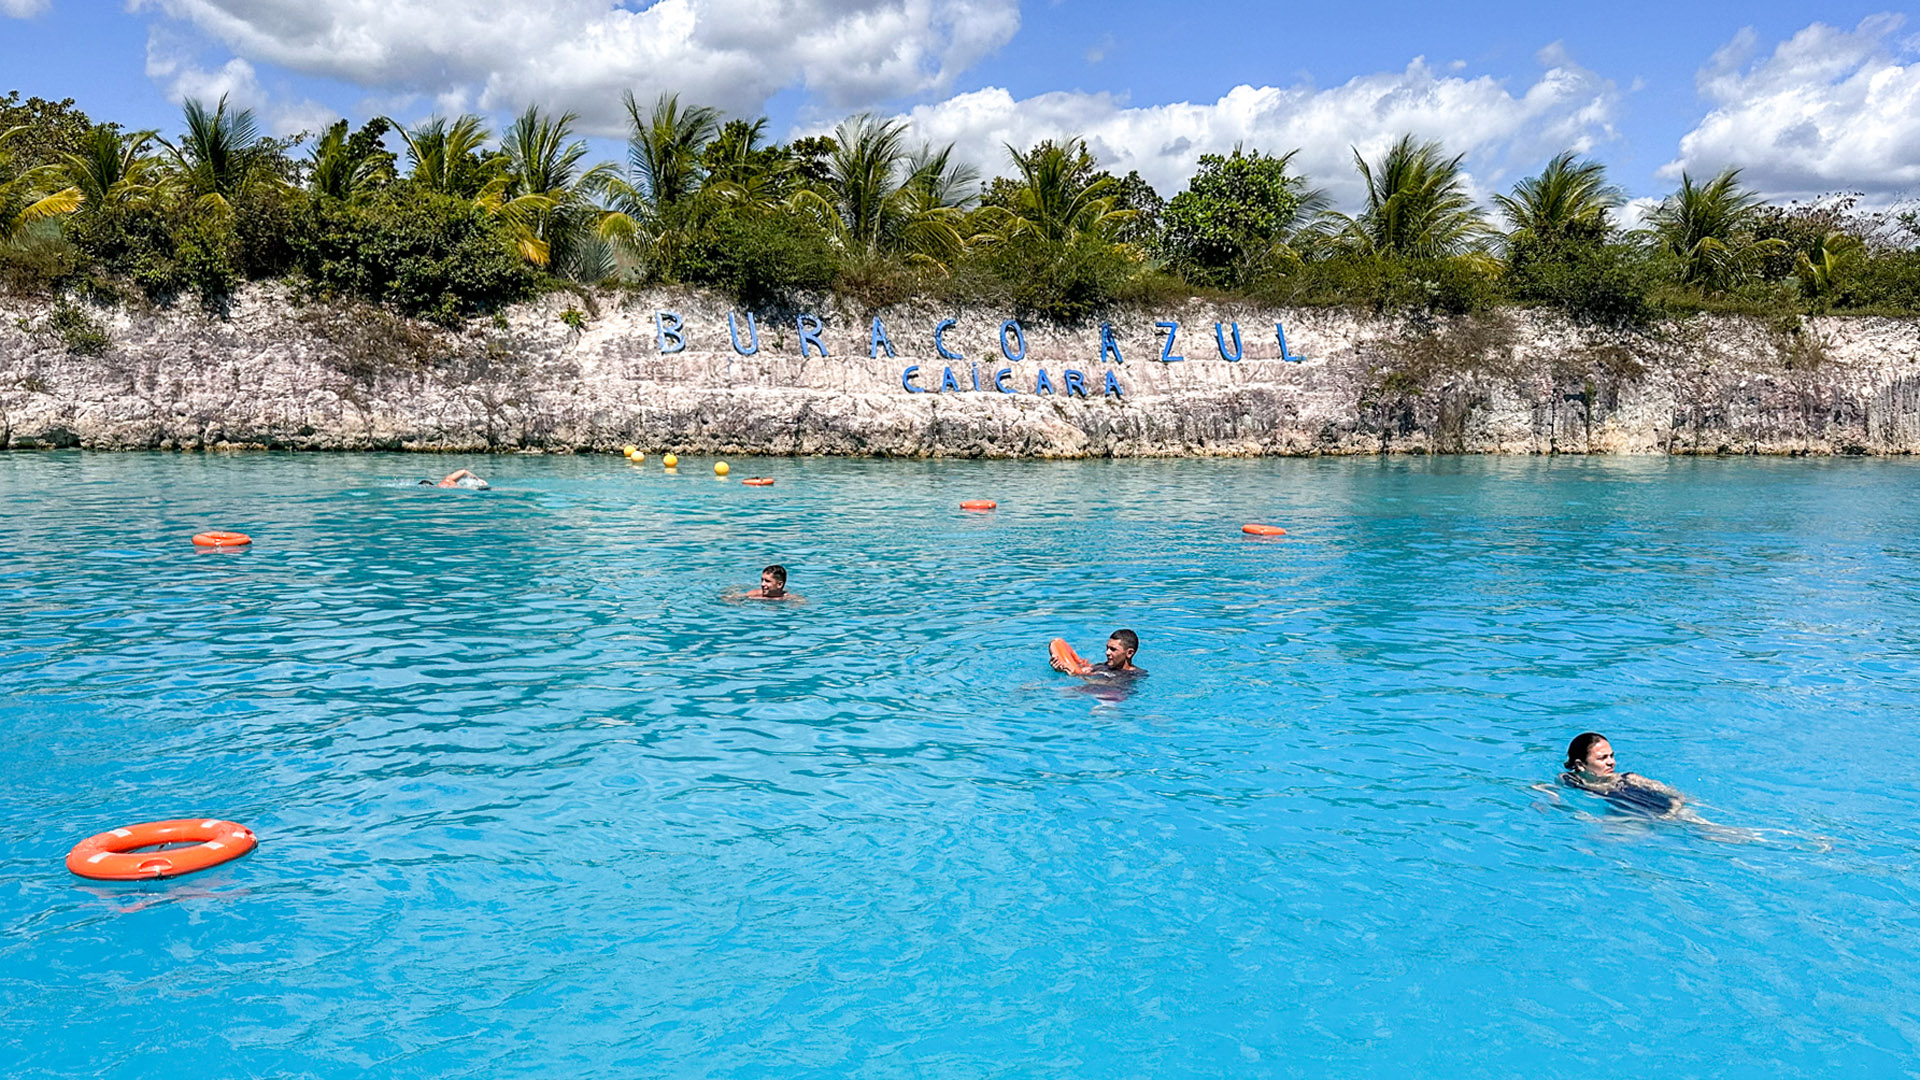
(1581, 745)
(779, 573)
(1128, 638)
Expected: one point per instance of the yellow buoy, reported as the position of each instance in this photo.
(670, 461)
(627, 450)
(637, 457)
(719, 468)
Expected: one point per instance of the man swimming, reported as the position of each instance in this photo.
(1121, 646)
(1590, 767)
(460, 478)
(773, 585)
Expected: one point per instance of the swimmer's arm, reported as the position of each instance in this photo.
(454, 477)
(1655, 786)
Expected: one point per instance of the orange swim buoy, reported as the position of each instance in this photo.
(1263, 530)
(757, 481)
(112, 855)
(222, 539)
(979, 504)
(1058, 649)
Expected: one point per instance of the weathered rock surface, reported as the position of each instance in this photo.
(280, 374)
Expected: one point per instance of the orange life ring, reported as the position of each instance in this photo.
(758, 481)
(222, 539)
(1058, 649)
(1263, 530)
(112, 855)
(979, 504)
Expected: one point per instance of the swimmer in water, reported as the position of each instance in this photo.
(773, 585)
(1589, 767)
(1119, 663)
(460, 478)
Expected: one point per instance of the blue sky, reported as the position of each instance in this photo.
(1808, 97)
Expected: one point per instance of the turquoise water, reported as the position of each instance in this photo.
(534, 801)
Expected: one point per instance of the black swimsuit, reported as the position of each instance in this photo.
(1626, 795)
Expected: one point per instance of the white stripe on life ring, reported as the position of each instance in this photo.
(98, 857)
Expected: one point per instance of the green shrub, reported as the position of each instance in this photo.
(82, 334)
(164, 252)
(428, 255)
(1886, 282)
(1064, 282)
(1447, 286)
(765, 260)
(1609, 284)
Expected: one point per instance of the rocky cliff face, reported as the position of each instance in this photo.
(279, 374)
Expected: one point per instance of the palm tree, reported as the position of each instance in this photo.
(884, 199)
(219, 154)
(1417, 205)
(1709, 228)
(1568, 198)
(446, 157)
(348, 168)
(1818, 268)
(1058, 196)
(32, 195)
(543, 195)
(652, 206)
(112, 168)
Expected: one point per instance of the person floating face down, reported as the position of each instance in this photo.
(1121, 647)
(1590, 767)
(773, 585)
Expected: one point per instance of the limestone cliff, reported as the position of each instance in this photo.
(277, 373)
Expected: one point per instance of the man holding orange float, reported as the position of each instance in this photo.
(1119, 663)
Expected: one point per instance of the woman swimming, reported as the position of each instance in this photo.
(1589, 767)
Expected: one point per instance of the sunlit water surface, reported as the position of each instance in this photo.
(534, 800)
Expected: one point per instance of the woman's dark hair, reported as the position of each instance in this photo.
(1581, 744)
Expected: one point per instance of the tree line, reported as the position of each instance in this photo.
(448, 219)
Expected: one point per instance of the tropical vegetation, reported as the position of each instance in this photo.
(447, 219)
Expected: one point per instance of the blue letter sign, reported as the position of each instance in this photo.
(668, 326)
(1166, 352)
(940, 346)
(809, 326)
(753, 335)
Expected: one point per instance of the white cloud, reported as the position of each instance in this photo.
(1499, 131)
(24, 9)
(580, 54)
(236, 81)
(1828, 110)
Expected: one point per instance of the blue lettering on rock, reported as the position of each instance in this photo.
(1076, 383)
(1113, 386)
(1109, 344)
(948, 382)
(877, 340)
(940, 344)
(809, 327)
(1043, 385)
(1000, 381)
(671, 330)
(1166, 351)
(906, 380)
(1006, 350)
(753, 335)
(1221, 340)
